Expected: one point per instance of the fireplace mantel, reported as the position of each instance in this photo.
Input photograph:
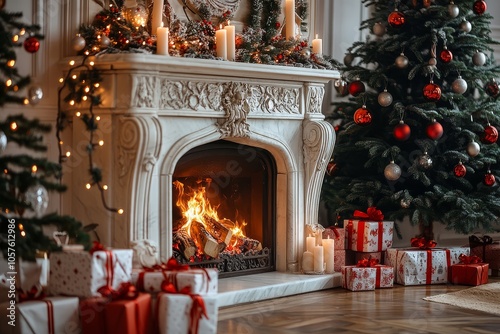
(156, 108)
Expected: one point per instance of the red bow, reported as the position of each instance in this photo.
(423, 243)
(370, 262)
(35, 293)
(464, 259)
(126, 291)
(97, 246)
(372, 213)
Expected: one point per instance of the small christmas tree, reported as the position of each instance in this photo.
(25, 176)
(418, 135)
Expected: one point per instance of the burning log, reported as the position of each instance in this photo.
(205, 242)
(247, 244)
(220, 232)
(186, 244)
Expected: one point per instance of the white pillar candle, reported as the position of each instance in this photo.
(307, 261)
(329, 253)
(317, 45)
(290, 19)
(310, 243)
(221, 43)
(156, 16)
(162, 41)
(230, 40)
(318, 259)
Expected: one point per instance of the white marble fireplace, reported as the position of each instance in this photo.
(157, 108)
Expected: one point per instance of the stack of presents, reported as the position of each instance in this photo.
(101, 291)
(365, 256)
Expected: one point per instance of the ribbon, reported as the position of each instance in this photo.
(423, 243)
(473, 259)
(372, 213)
(50, 316)
(126, 291)
(35, 293)
(475, 241)
(96, 247)
(366, 263)
(335, 231)
(428, 274)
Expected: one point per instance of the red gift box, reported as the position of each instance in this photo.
(101, 316)
(469, 274)
(487, 249)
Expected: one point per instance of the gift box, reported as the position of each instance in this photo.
(384, 276)
(487, 249)
(338, 234)
(469, 274)
(369, 236)
(183, 314)
(48, 316)
(199, 280)
(100, 315)
(369, 255)
(342, 257)
(358, 278)
(83, 273)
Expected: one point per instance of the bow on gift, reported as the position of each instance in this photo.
(96, 247)
(370, 262)
(372, 213)
(126, 291)
(475, 241)
(423, 243)
(35, 293)
(464, 259)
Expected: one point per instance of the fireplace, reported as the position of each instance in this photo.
(165, 118)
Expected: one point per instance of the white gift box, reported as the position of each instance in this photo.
(368, 236)
(358, 278)
(82, 273)
(51, 315)
(175, 314)
(200, 281)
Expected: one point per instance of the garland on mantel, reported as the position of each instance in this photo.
(111, 32)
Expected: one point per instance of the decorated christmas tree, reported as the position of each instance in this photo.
(26, 176)
(417, 130)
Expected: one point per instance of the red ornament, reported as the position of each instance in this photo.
(434, 130)
(492, 88)
(479, 7)
(356, 87)
(490, 135)
(489, 179)
(396, 19)
(460, 170)
(432, 92)
(401, 131)
(31, 44)
(446, 56)
(331, 167)
(362, 116)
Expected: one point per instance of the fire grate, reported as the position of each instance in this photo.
(231, 264)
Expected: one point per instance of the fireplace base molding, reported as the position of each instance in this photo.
(157, 108)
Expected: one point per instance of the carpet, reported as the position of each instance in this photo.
(484, 298)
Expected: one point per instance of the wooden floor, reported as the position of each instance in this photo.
(398, 310)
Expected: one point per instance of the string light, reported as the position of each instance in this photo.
(101, 142)
(88, 186)
(68, 154)
(74, 77)
(71, 62)
(13, 126)
(34, 169)
(11, 63)
(98, 118)
(105, 187)
(72, 102)
(26, 101)
(15, 38)
(120, 211)
(61, 80)
(78, 114)
(8, 83)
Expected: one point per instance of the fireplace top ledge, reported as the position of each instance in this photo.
(156, 63)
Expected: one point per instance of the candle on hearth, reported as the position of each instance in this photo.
(310, 243)
(230, 39)
(156, 16)
(221, 43)
(290, 19)
(329, 253)
(317, 45)
(318, 259)
(162, 41)
(307, 261)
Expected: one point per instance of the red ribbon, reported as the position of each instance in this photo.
(335, 231)
(35, 293)
(50, 316)
(126, 291)
(370, 262)
(372, 213)
(428, 274)
(473, 259)
(422, 243)
(96, 247)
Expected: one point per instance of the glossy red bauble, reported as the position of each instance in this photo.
(460, 170)
(479, 7)
(396, 19)
(490, 135)
(356, 87)
(432, 92)
(401, 131)
(31, 44)
(489, 179)
(446, 56)
(434, 130)
(362, 116)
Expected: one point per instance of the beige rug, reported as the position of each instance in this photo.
(484, 298)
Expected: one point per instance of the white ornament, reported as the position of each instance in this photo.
(105, 41)
(453, 9)
(392, 171)
(385, 98)
(459, 86)
(379, 29)
(38, 198)
(479, 58)
(3, 141)
(402, 61)
(473, 149)
(78, 43)
(466, 26)
(35, 94)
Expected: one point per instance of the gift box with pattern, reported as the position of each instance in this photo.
(384, 277)
(83, 273)
(338, 234)
(182, 313)
(342, 257)
(358, 278)
(51, 315)
(99, 315)
(368, 236)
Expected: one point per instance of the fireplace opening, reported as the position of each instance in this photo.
(224, 208)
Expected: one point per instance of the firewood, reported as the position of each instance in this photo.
(205, 242)
(246, 244)
(220, 232)
(185, 242)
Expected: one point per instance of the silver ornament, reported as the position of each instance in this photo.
(473, 149)
(453, 10)
(105, 41)
(405, 203)
(3, 141)
(392, 171)
(35, 94)
(459, 86)
(385, 98)
(379, 29)
(348, 58)
(78, 43)
(342, 87)
(402, 61)
(465, 26)
(479, 58)
(38, 198)
(425, 161)
(305, 52)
